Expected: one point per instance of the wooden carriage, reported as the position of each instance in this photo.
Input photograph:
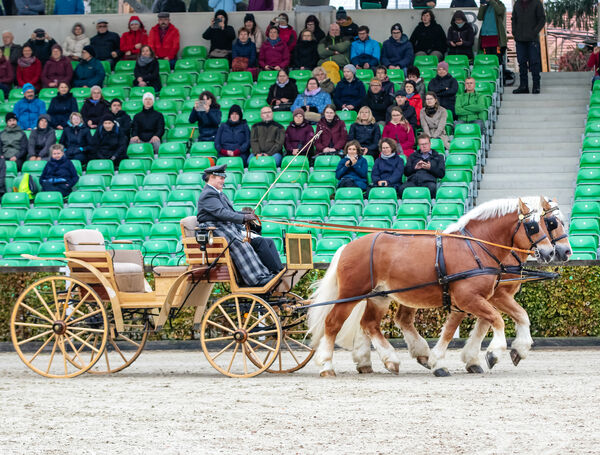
(97, 317)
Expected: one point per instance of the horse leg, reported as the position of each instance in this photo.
(438, 352)
(470, 353)
(361, 354)
(521, 345)
(416, 344)
(371, 324)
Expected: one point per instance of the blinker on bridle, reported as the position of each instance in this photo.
(552, 224)
(531, 228)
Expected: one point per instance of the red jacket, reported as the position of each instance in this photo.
(170, 44)
(130, 39)
(417, 103)
(594, 62)
(60, 71)
(332, 136)
(31, 74)
(278, 55)
(7, 74)
(404, 138)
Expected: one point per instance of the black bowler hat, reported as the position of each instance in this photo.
(219, 171)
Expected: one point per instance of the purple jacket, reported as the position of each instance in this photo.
(278, 55)
(60, 71)
(260, 5)
(296, 136)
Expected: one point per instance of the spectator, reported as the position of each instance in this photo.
(593, 63)
(366, 132)
(69, 7)
(89, 72)
(347, 27)
(377, 100)
(397, 50)
(147, 72)
(333, 136)
(207, 113)
(257, 36)
(13, 141)
(61, 107)
(492, 37)
(461, 36)
(220, 35)
(106, 44)
(388, 167)
(76, 138)
(364, 51)
(423, 3)
(444, 86)
(286, 33)
(108, 143)
(148, 126)
(40, 140)
(57, 69)
(350, 91)
(59, 174)
(463, 4)
(225, 6)
(199, 6)
(298, 133)
(274, 54)
(132, 41)
(528, 19)
(334, 47)
(413, 74)
(7, 75)
(121, 118)
(164, 39)
(94, 108)
(29, 68)
(243, 53)
(9, 49)
(233, 136)
(75, 42)
(29, 108)
(424, 167)
(267, 137)
(408, 111)
(29, 7)
(434, 118)
(386, 85)
(41, 43)
(428, 38)
(305, 54)
(324, 82)
(313, 25)
(470, 106)
(283, 92)
(260, 5)
(400, 130)
(313, 100)
(169, 6)
(352, 170)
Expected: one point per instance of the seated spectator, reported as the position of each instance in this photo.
(75, 42)
(397, 50)
(9, 49)
(106, 44)
(428, 38)
(108, 143)
(333, 136)
(283, 92)
(287, 34)
(7, 75)
(57, 69)
(207, 113)
(387, 86)
(164, 39)
(413, 74)
(76, 138)
(94, 108)
(388, 168)
(312, 100)
(59, 174)
(132, 41)
(41, 43)
(364, 51)
(233, 136)
(90, 71)
(13, 141)
(29, 7)
(424, 167)
(305, 54)
(170, 6)
(334, 47)
(243, 53)
(223, 5)
(40, 140)
(298, 133)
(257, 36)
(461, 36)
(274, 54)
(313, 25)
(352, 170)
(444, 86)
(324, 82)
(260, 5)
(377, 100)
(400, 130)
(366, 132)
(29, 108)
(61, 107)
(121, 118)
(414, 98)
(147, 72)
(349, 92)
(29, 68)
(347, 27)
(220, 35)
(407, 110)
(434, 118)
(470, 106)
(267, 137)
(69, 7)
(148, 126)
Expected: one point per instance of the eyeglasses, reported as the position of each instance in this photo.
(102, 26)
(375, 85)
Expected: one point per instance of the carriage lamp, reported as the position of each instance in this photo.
(204, 236)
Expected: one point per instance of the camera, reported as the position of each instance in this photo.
(216, 22)
(40, 34)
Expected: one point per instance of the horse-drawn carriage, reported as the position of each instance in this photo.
(97, 317)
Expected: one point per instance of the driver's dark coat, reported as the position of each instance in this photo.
(215, 206)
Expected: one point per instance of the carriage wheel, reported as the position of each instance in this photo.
(234, 330)
(295, 352)
(57, 319)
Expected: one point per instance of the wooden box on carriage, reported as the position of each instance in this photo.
(299, 254)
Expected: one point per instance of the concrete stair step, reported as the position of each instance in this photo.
(531, 165)
(541, 151)
(527, 111)
(537, 139)
(564, 197)
(541, 131)
(526, 181)
(546, 104)
(549, 94)
(559, 75)
(511, 122)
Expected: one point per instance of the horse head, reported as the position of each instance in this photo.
(528, 230)
(555, 227)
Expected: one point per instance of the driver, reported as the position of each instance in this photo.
(257, 261)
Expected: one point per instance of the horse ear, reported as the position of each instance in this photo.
(523, 208)
(544, 203)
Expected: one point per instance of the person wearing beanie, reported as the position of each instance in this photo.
(233, 136)
(75, 42)
(313, 25)
(148, 126)
(57, 69)
(220, 35)
(29, 68)
(121, 117)
(132, 40)
(13, 141)
(164, 39)
(61, 107)
(257, 36)
(106, 43)
(108, 143)
(298, 133)
(347, 27)
(76, 138)
(89, 72)
(349, 92)
(461, 36)
(365, 51)
(428, 37)
(147, 71)
(397, 50)
(41, 43)
(59, 174)
(207, 113)
(267, 137)
(409, 112)
(334, 47)
(29, 108)
(287, 34)
(40, 140)
(444, 86)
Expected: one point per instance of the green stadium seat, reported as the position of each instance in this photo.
(326, 248)
(202, 87)
(216, 64)
(158, 252)
(318, 195)
(322, 178)
(11, 168)
(412, 212)
(589, 159)
(587, 192)
(591, 143)
(51, 249)
(383, 194)
(261, 90)
(395, 74)
(283, 117)
(585, 209)
(167, 105)
(48, 199)
(461, 61)
(46, 94)
(241, 77)
(142, 214)
(84, 199)
(113, 198)
(582, 257)
(168, 231)
(267, 76)
(180, 134)
(196, 164)
(252, 116)
(461, 162)
(151, 198)
(408, 224)
(109, 231)
(140, 151)
(301, 75)
(212, 77)
(15, 200)
(588, 175)
(189, 65)
(181, 78)
(31, 234)
(373, 224)
(349, 196)
(174, 214)
(44, 216)
(197, 52)
(460, 74)
(185, 197)
(426, 61)
(379, 211)
(102, 167)
(81, 93)
(203, 149)
(484, 73)
(298, 162)
(183, 120)
(15, 94)
(326, 162)
(284, 194)
(346, 211)
(235, 90)
(124, 66)
(458, 178)
(166, 165)
(278, 211)
(248, 196)
(174, 92)
(439, 224)
(57, 232)
(132, 107)
(257, 179)
(136, 232)
(311, 211)
(33, 167)
(486, 59)
(138, 92)
(14, 250)
(91, 182)
(134, 166)
(262, 163)
(464, 145)
(256, 103)
(579, 243)
(74, 216)
(342, 232)
(192, 180)
(448, 211)
(416, 195)
(454, 194)
(120, 79)
(594, 112)
(227, 102)
(294, 178)
(584, 226)
(126, 182)
(592, 127)
(108, 215)
(159, 181)
(111, 93)
(347, 116)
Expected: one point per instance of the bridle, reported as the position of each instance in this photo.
(532, 228)
(552, 223)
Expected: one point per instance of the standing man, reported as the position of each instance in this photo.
(164, 39)
(528, 19)
(106, 44)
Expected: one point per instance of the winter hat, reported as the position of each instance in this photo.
(116, 100)
(107, 118)
(341, 14)
(400, 92)
(298, 111)
(27, 87)
(350, 67)
(57, 46)
(413, 83)
(396, 28)
(249, 17)
(148, 95)
(134, 21)
(9, 116)
(164, 15)
(443, 65)
(90, 50)
(237, 109)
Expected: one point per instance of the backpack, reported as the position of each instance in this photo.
(333, 71)
(27, 185)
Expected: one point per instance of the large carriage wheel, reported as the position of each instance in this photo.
(57, 319)
(234, 330)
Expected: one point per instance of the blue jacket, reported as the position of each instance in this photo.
(320, 101)
(390, 170)
(89, 73)
(358, 172)
(208, 123)
(28, 112)
(349, 93)
(69, 7)
(77, 141)
(367, 135)
(29, 7)
(226, 5)
(247, 50)
(397, 53)
(59, 169)
(367, 51)
(233, 136)
(61, 108)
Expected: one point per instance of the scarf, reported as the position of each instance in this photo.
(430, 111)
(274, 42)
(143, 61)
(386, 157)
(93, 101)
(308, 92)
(330, 124)
(280, 85)
(26, 62)
(409, 95)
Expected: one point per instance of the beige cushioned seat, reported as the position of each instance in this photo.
(189, 224)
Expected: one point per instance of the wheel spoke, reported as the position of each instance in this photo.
(291, 352)
(66, 304)
(223, 350)
(258, 322)
(107, 361)
(264, 332)
(235, 350)
(227, 317)
(76, 309)
(206, 340)
(308, 348)
(75, 351)
(42, 347)
(35, 337)
(237, 310)
(83, 342)
(219, 326)
(52, 355)
(53, 283)
(87, 329)
(30, 324)
(126, 338)
(249, 313)
(82, 318)
(256, 358)
(37, 313)
(261, 344)
(39, 296)
(64, 352)
(117, 349)
(245, 359)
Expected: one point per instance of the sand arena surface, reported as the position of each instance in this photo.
(173, 402)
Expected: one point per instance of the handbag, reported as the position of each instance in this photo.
(239, 64)
(312, 116)
(219, 53)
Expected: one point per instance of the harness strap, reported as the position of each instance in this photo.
(371, 259)
(440, 267)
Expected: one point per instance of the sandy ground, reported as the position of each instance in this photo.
(172, 402)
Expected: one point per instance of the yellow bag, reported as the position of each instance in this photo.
(27, 185)
(333, 71)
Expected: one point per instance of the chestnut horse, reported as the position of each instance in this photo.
(398, 262)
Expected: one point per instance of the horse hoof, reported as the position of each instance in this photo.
(393, 367)
(364, 370)
(491, 359)
(423, 361)
(515, 357)
(441, 372)
(327, 374)
(475, 369)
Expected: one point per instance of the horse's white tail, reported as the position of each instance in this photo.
(326, 290)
